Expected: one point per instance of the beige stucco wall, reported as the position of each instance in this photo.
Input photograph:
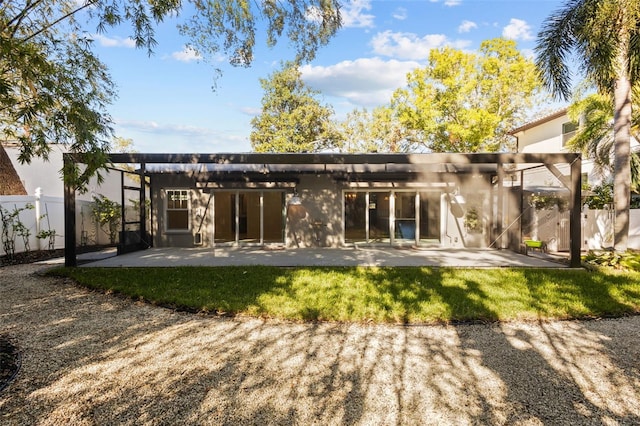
(318, 221)
(198, 202)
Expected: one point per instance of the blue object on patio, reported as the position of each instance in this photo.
(407, 230)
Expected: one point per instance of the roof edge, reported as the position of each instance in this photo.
(538, 122)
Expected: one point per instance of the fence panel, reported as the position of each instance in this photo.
(26, 218)
(47, 214)
(634, 229)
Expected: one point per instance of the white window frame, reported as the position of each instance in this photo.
(167, 209)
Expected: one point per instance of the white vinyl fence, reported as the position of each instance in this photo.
(552, 226)
(38, 213)
(597, 229)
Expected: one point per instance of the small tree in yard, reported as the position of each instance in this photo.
(47, 234)
(107, 213)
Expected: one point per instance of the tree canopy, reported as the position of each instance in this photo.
(53, 88)
(292, 119)
(468, 102)
(378, 130)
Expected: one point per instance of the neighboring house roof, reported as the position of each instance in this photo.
(539, 121)
(10, 183)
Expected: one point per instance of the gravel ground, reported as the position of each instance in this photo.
(90, 358)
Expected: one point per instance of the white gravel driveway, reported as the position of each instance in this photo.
(90, 358)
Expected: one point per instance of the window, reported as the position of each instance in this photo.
(177, 210)
(568, 131)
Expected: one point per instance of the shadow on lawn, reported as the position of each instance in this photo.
(435, 295)
(115, 361)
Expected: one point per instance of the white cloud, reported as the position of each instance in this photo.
(517, 30)
(528, 53)
(155, 127)
(400, 14)
(467, 26)
(187, 54)
(365, 82)
(251, 111)
(114, 41)
(151, 136)
(411, 46)
(353, 15)
(449, 3)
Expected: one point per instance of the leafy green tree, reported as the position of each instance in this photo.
(292, 119)
(107, 214)
(601, 196)
(378, 130)
(54, 89)
(594, 137)
(468, 102)
(605, 35)
(124, 145)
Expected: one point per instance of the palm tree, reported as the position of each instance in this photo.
(605, 36)
(594, 137)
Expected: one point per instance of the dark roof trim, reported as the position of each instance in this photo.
(333, 158)
(538, 122)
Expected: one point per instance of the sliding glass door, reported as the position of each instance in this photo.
(249, 217)
(392, 216)
(405, 216)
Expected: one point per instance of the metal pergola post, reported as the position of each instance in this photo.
(575, 229)
(69, 213)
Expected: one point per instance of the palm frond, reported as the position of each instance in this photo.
(594, 137)
(597, 29)
(556, 40)
(635, 171)
(634, 57)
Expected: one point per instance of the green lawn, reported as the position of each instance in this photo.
(386, 295)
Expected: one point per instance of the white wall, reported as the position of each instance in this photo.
(547, 137)
(47, 176)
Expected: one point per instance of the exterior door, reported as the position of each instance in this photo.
(405, 216)
(249, 217)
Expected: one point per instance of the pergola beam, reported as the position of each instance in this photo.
(333, 158)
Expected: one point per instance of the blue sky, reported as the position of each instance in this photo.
(166, 102)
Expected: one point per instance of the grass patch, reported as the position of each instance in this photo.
(385, 295)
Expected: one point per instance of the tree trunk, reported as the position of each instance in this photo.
(622, 165)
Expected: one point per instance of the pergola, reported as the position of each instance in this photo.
(257, 169)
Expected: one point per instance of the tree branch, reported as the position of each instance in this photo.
(19, 17)
(62, 18)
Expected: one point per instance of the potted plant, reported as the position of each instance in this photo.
(473, 226)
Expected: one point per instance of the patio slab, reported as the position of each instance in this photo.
(358, 256)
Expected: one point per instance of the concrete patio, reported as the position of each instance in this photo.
(350, 256)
